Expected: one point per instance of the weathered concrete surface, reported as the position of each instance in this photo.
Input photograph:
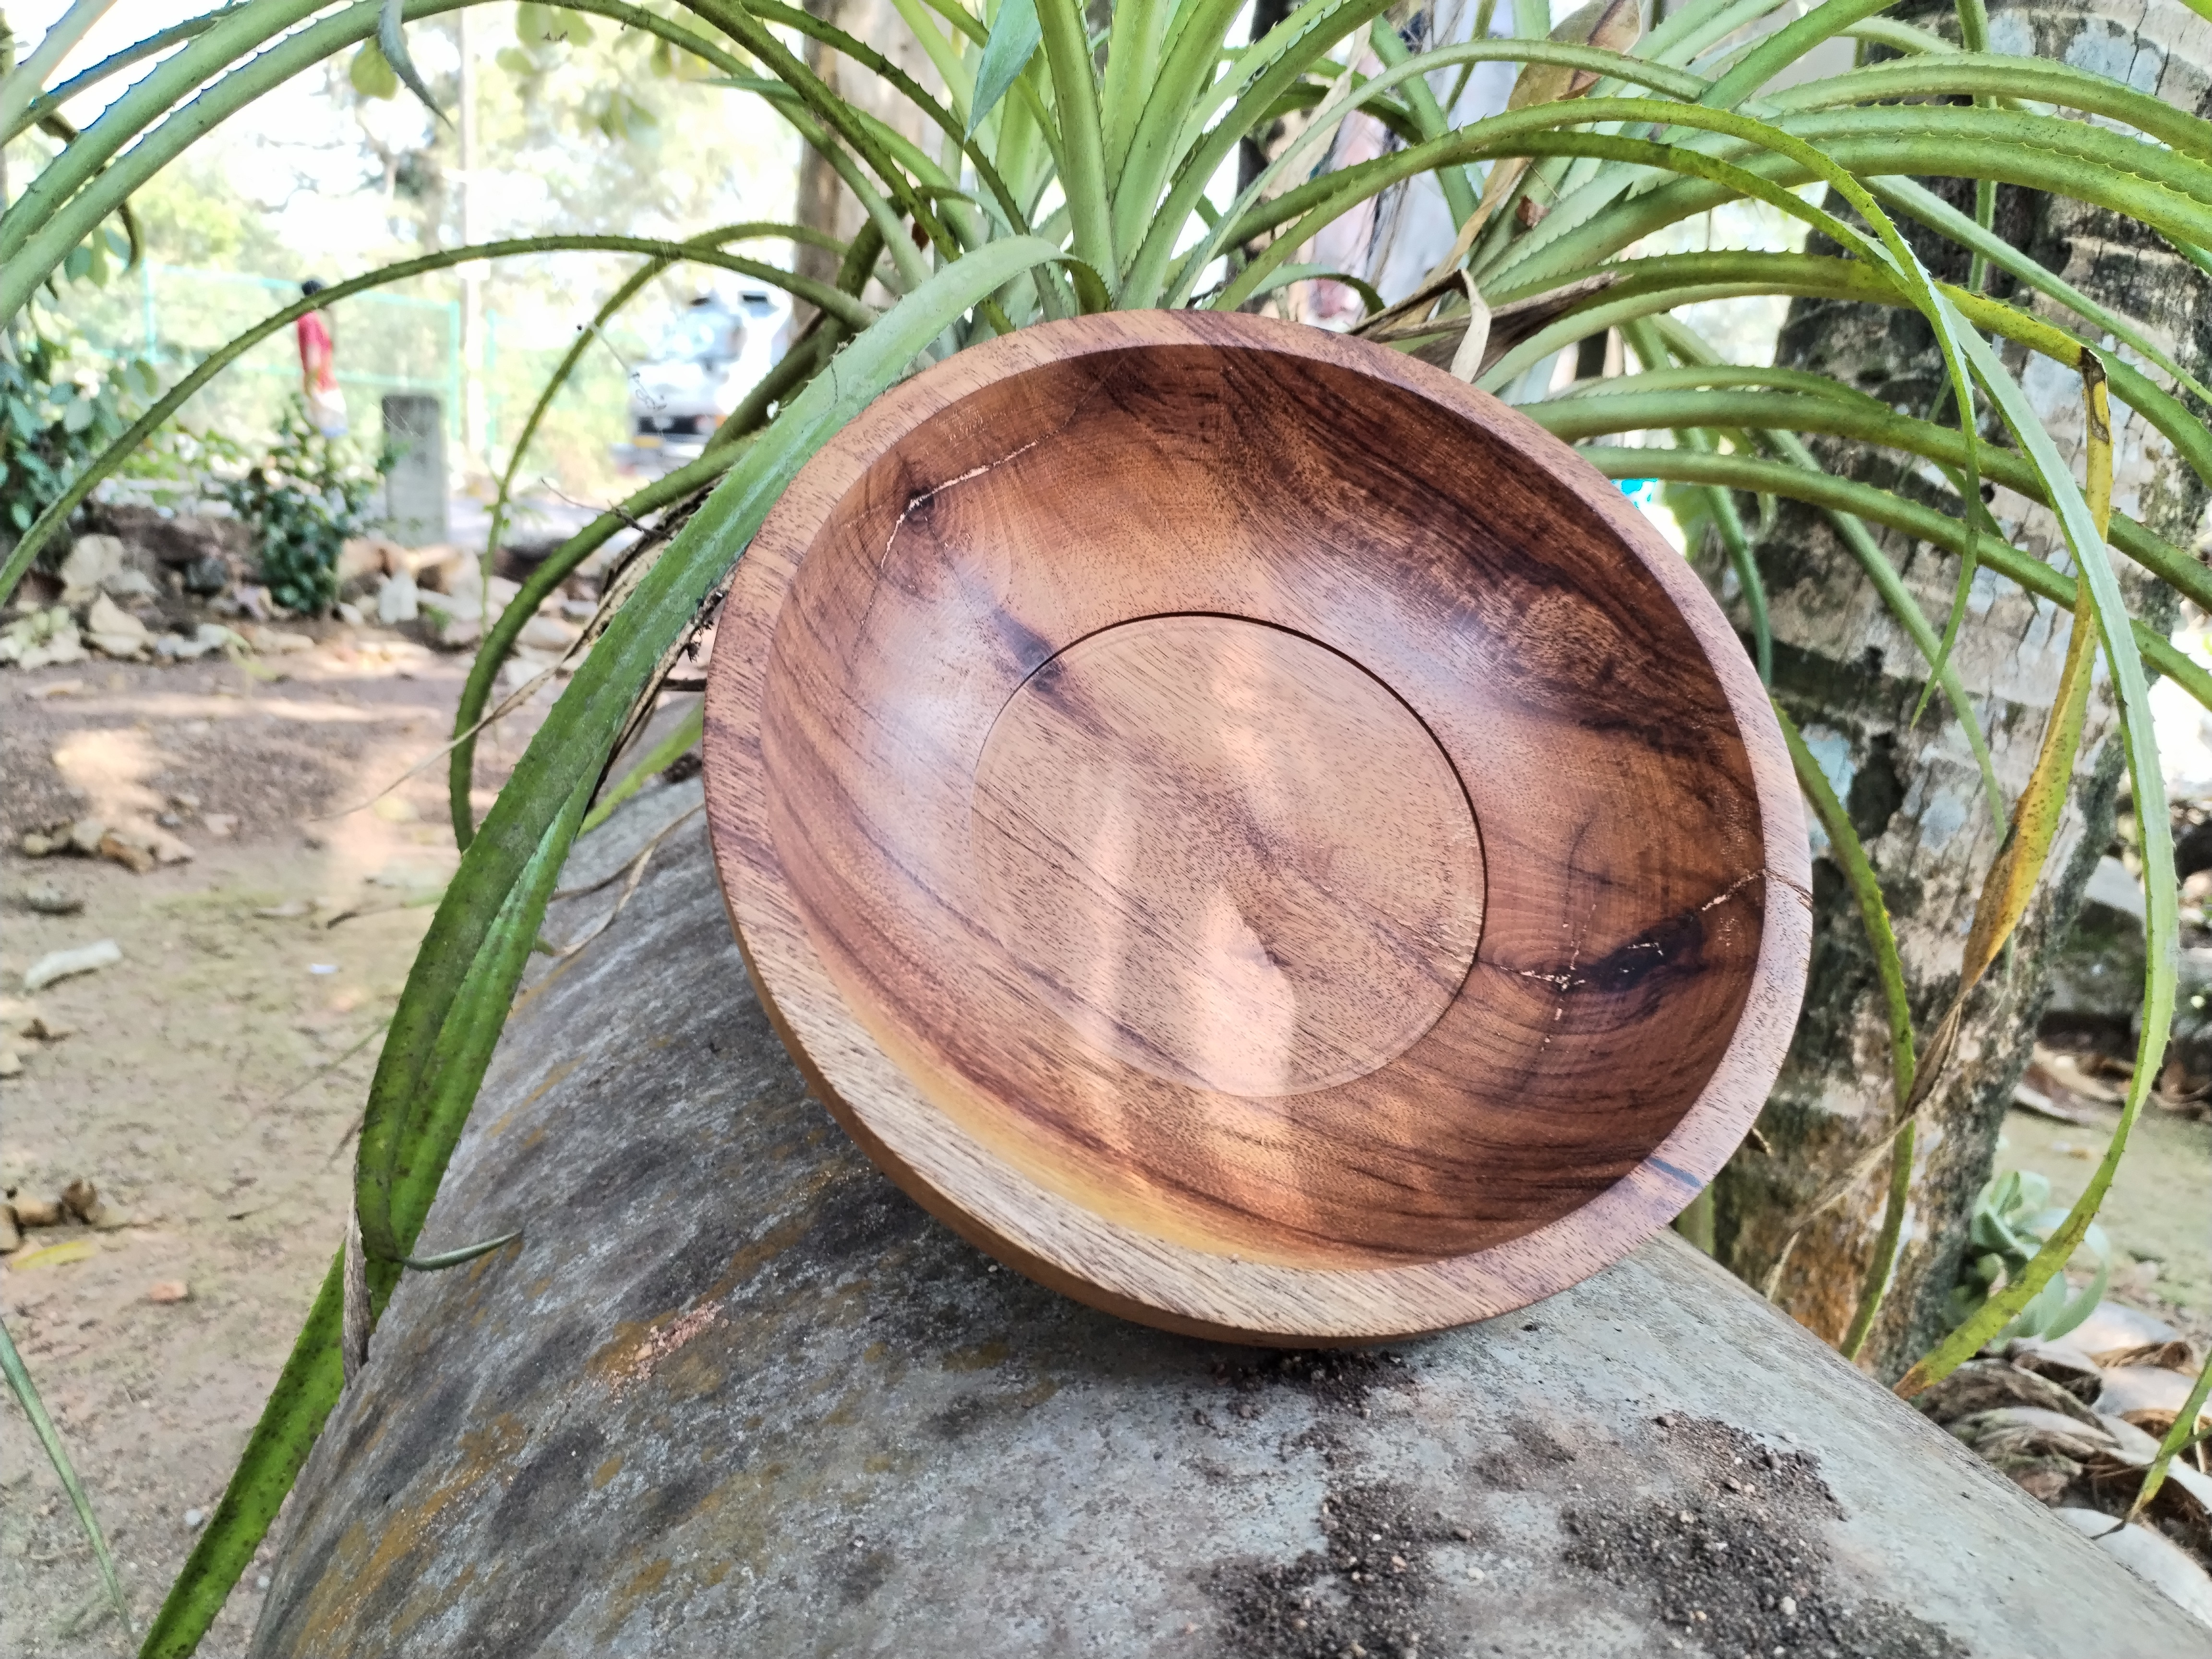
(734, 1394)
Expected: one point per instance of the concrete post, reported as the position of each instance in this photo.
(415, 489)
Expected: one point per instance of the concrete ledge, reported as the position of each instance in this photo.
(734, 1394)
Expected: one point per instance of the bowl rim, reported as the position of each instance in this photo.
(1048, 1236)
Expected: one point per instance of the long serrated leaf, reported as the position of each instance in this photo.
(50, 1441)
(1082, 134)
(1610, 25)
(1298, 153)
(1874, 909)
(1889, 970)
(457, 999)
(2160, 922)
(1758, 475)
(614, 303)
(662, 756)
(584, 723)
(445, 1259)
(1014, 38)
(391, 40)
(314, 1374)
(2013, 877)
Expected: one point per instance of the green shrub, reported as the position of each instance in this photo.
(303, 499)
(56, 416)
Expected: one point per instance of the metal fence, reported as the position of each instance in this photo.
(175, 316)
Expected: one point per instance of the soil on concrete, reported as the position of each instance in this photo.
(1733, 1559)
(213, 1078)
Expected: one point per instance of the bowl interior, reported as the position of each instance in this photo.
(1258, 805)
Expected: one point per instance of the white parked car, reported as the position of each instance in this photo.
(714, 353)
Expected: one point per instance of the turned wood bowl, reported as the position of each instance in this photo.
(1251, 831)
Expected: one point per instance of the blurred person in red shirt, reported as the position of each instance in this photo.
(319, 371)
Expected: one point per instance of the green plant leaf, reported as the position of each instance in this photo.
(392, 42)
(2161, 923)
(1015, 35)
(663, 755)
(467, 1253)
(50, 1441)
(370, 74)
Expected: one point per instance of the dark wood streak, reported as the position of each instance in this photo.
(1634, 871)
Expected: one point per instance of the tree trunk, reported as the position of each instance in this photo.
(732, 1393)
(1850, 677)
(824, 202)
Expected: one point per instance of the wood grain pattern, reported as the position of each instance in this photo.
(1252, 830)
(1226, 855)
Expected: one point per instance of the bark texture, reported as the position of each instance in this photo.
(734, 1394)
(1850, 677)
(824, 202)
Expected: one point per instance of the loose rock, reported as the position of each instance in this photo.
(63, 964)
(92, 560)
(129, 853)
(48, 899)
(41, 639)
(114, 632)
(396, 599)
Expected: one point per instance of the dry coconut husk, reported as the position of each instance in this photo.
(1984, 1385)
(2042, 1452)
(2141, 1392)
(2061, 1363)
(2174, 1356)
(2112, 1326)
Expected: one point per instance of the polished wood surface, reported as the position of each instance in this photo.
(1226, 855)
(1252, 830)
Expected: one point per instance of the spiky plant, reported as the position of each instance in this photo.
(1066, 168)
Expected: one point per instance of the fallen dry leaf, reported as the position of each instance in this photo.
(53, 1255)
(2060, 1362)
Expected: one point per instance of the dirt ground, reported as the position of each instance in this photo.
(2156, 1216)
(211, 1082)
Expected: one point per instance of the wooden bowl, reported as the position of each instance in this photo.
(1251, 831)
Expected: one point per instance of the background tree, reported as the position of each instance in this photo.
(1852, 678)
